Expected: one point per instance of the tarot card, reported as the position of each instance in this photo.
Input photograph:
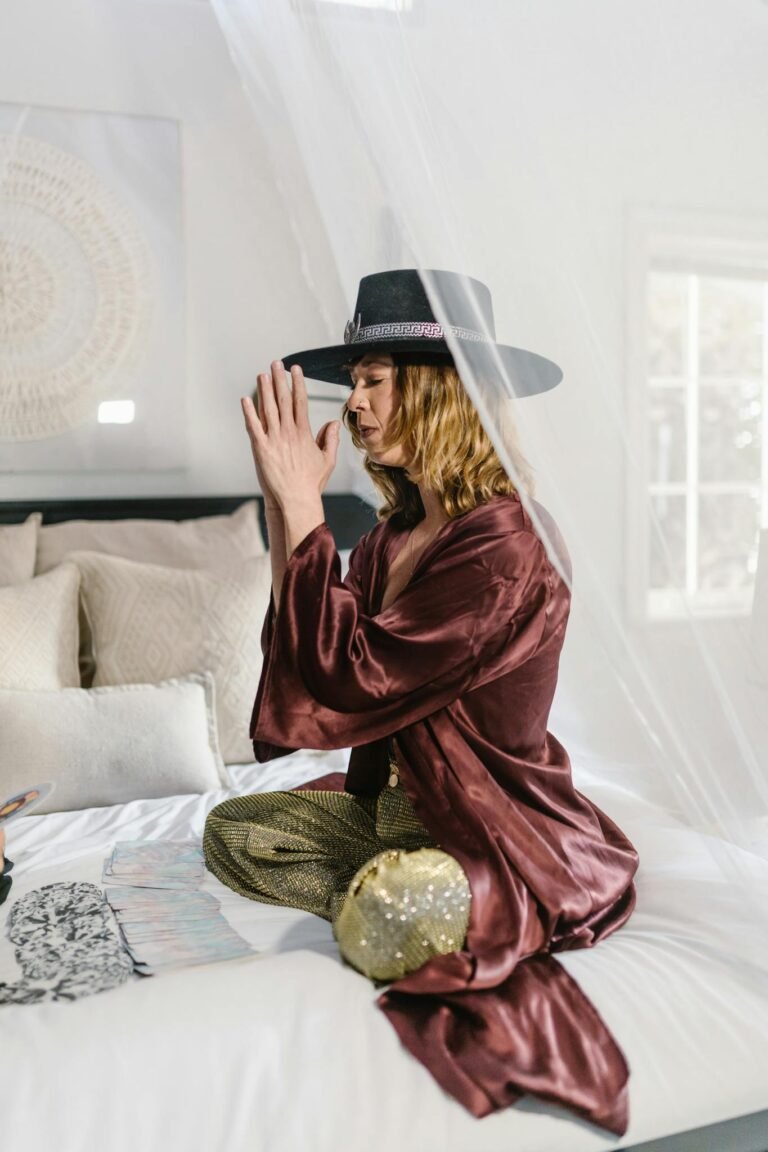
(125, 896)
(164, 929)
(182, 870)
(174, 864)
(206, 938)
(155, 880)
(157, 852)
(24, 802)
(174, 953)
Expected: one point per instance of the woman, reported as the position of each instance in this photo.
(436, 661)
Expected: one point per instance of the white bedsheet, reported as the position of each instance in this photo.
(286, 1051)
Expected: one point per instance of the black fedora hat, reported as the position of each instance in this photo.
(393, 314)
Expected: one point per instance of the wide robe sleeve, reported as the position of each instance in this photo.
(335, 677)
(484, 612)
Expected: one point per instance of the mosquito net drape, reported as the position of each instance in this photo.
(560, 155)
(602, 168)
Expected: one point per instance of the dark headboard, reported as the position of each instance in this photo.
(347, 515)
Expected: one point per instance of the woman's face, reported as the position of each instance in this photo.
(374, 401)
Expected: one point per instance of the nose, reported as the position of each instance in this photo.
(356, 396)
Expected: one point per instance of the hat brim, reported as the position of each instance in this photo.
(524, 373)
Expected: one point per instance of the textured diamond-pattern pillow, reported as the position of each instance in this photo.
(110, 745)
(150, 623)
(215, 542)
(38, 631)
(18, 544)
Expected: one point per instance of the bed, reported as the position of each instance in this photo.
(285, 1049)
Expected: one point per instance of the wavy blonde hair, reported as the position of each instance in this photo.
(453, 454)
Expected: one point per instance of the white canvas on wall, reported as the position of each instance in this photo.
(92, 371)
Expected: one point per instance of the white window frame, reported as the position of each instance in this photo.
(700, 244)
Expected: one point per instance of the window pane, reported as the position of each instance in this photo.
(667, 536)
(730, 327)
(666, 411)
(730, 431)
(667, 320)
(728, 535)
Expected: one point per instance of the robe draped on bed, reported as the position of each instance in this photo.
(460, 671)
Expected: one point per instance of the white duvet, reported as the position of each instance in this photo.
(286, 1051)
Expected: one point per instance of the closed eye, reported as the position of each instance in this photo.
(369, 380)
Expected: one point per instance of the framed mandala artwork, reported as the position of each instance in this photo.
(91, 292)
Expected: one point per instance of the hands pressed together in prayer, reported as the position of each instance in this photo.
(293, 466)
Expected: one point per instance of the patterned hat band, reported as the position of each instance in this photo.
(399, 315)
(408, 330)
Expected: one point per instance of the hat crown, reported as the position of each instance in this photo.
(393, 314)
(400, 297)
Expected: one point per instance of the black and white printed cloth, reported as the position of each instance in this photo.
(67, 944)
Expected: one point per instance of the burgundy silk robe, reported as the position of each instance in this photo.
(461, 670)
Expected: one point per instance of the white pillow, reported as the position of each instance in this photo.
(215, 542)
(18, 544)
(38, 631)
(149, 623)
(104, 746)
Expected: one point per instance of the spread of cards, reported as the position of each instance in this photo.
(166, 922)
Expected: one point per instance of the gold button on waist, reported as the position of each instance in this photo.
(394, 774)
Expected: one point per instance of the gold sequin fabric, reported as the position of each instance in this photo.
(402, 909)
(365, 863)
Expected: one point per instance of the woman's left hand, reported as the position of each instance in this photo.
(295, 465)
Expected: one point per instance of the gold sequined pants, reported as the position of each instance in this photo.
(367, 864)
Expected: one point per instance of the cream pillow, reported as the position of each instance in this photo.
(149, 623)
(104, 746)
(18, 545)
(38, 631)
(214, 542)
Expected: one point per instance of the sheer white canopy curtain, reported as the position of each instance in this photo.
(556, 153)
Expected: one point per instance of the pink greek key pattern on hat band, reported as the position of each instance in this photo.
(409, 330)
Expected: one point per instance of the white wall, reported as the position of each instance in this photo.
(600, 106)
(247, 301)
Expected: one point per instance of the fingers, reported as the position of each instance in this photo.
(282, 392)
(258, 406)
(275, 398)
(257, 436)
(281, 402)
(328, 434)
(328, 443)
(266, 391)
(300, 401)
(252, 421)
